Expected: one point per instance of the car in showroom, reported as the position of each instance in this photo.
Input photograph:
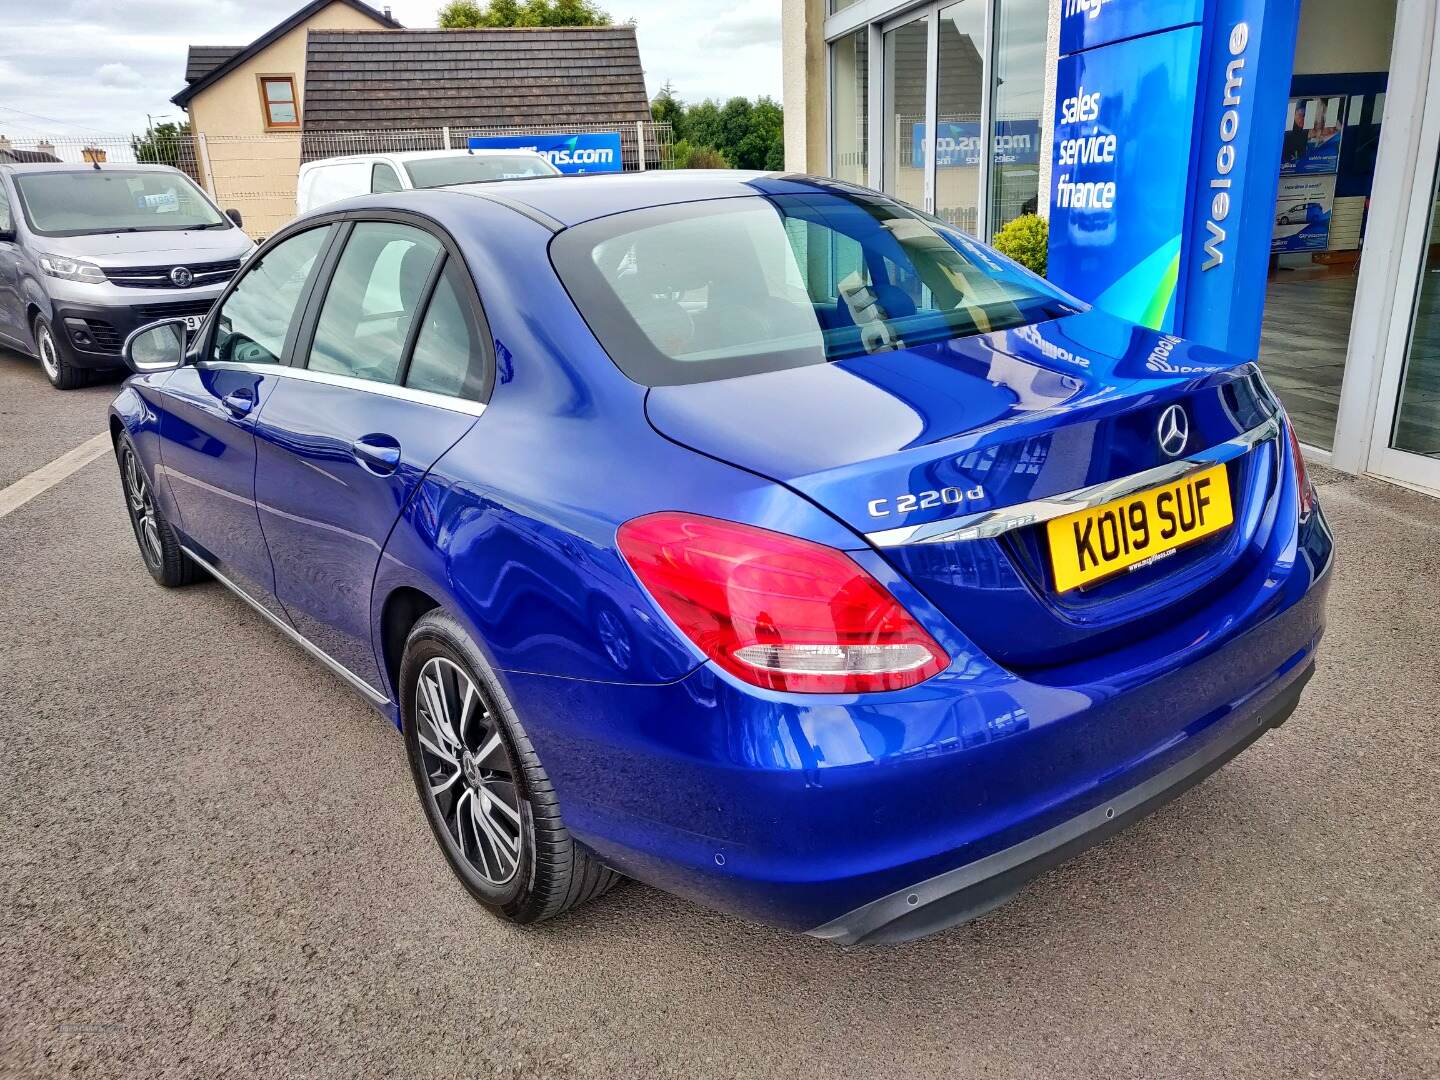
(329, 180)
(754, 536)
(89, 253)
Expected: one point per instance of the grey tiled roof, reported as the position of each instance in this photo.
(369, 79)
(222, 67)
(204, 59)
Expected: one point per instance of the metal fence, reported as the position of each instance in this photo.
(256, 174)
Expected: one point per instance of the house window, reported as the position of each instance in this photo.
(277, 98)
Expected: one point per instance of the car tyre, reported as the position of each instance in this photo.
(519, 861)
(160, 549)
(55, 359)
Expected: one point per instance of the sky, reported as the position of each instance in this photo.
(97, 67)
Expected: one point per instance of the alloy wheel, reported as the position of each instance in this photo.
(142, 510)
(49, 357)
(469, 774)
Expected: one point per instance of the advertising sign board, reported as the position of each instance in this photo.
(1163, 179)
(1120, 176)
(1302, 214)
(588, 152)
(1087, 24)
(1313, 127)
(957, 143)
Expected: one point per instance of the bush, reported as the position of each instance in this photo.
(686, 155)
(1026, 240)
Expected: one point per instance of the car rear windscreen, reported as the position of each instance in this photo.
(709, 290)
(476, 168)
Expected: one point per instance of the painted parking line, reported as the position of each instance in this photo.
(47, 476)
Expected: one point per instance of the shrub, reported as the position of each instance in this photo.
(686, 155)
(1026, 239)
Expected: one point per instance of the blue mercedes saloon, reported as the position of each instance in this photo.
(754, 536)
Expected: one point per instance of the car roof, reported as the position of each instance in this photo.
(569, 200)
(417, 155)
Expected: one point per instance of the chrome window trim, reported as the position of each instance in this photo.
(987, 524)
(371, 694)
(369, 386)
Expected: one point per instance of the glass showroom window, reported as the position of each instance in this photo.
(903, 114)
(849, 90)
(1019, 91)
(957, 141)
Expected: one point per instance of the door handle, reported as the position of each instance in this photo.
(239, 402)
(379, 454)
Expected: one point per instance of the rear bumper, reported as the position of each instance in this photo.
(825, 814)
(969, 891)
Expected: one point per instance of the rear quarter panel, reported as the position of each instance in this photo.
(513, 530)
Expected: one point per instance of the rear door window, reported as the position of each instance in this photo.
(372, 298)
(449, 357)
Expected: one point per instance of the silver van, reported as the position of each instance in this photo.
(88, 254)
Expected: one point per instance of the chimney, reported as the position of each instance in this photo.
(45, 146)
(5, 143)
(386, 9)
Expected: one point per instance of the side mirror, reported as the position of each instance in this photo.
(234, 215)
(160, 346)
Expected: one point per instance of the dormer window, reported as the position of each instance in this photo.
(279, 101)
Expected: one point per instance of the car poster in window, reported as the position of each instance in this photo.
(1302, 213)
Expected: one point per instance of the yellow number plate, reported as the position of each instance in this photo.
(1091, 544)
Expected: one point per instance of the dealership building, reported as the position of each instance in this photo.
(1121, 121)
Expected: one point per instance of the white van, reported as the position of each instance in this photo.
(332, 179)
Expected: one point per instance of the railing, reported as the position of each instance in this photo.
(256, 174)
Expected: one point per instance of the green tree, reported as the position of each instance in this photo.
(167, 144)
(668, 109)
(742, 134)
(471, 14)
(702, 124)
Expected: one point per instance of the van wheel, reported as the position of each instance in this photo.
(488, 800)
(54, 361)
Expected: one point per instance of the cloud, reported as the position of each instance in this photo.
(117, 75)
(136, 50)
(741, 32)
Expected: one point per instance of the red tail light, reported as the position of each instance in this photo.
(777, 611)
(1302, 479)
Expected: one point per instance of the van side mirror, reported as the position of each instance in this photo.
(234, 215)
(159, 346)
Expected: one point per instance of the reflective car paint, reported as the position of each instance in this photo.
(789, 808)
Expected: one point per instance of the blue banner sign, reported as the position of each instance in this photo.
(1086, 24)
(1120, 175)
(590, 152)
(1164, 169)
(1245, 85)
(957, 145)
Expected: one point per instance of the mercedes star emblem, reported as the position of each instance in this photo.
(1173, 430)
